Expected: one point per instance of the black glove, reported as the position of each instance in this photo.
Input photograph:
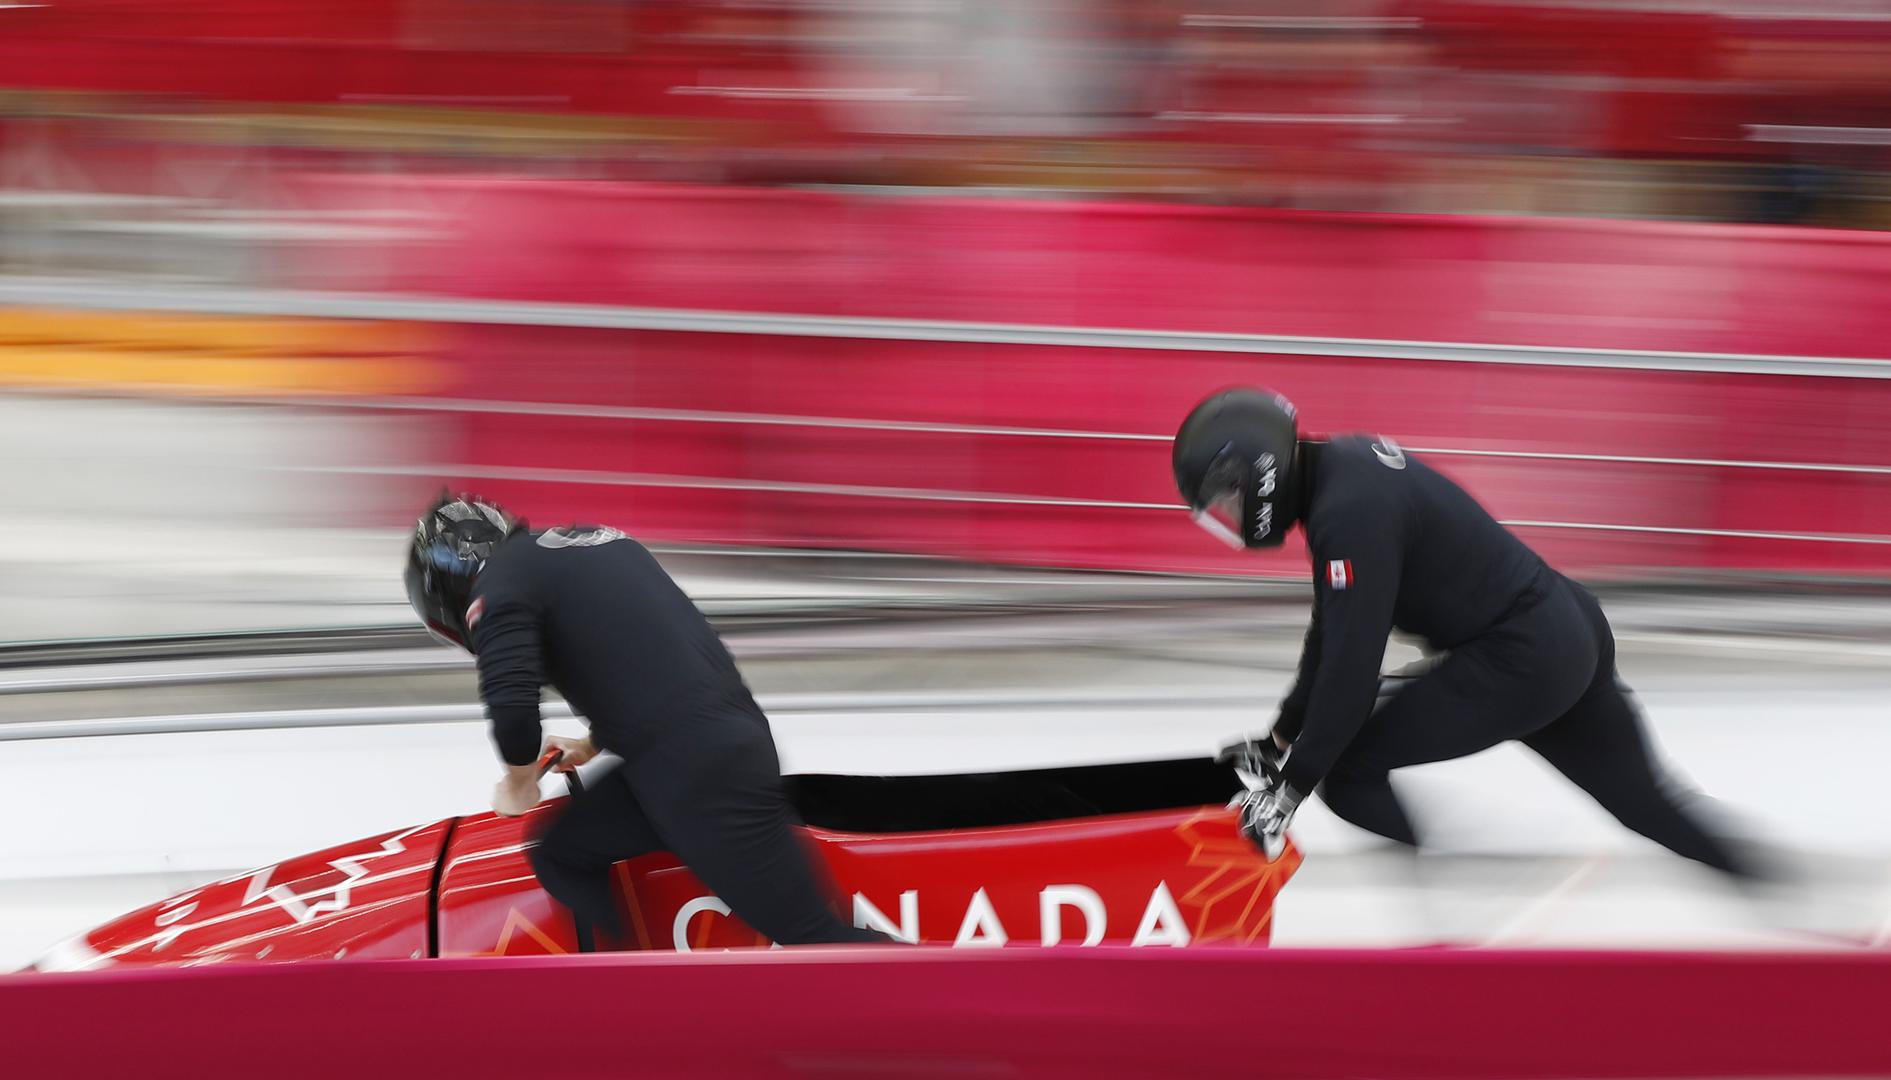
(1268, 804)
(1259, 758)
(1265, 815)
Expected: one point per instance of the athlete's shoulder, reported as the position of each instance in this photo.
(509, 564)
(565, 537)
(1359, 484)
(1372, 454)
(1359, 470)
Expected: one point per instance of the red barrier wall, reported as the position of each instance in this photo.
(582, 464)
(1532, 282)
(1091, 1014)
(1558, 282)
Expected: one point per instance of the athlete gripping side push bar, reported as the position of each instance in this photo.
(1527, 654)
(588, 610)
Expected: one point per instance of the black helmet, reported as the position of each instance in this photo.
(1235, 464)
(451, 544)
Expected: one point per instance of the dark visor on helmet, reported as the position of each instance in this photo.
(1217, 502)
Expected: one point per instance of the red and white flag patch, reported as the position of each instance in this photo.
(473, 613)
(1339, 573)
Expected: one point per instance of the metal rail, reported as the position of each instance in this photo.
(229, 301)
(773, 704)
(981, 628)
(307, 304)
(144, 675)
(234, 645)
(574, 411)
(275, 302)
(604, 478)
(773, 629)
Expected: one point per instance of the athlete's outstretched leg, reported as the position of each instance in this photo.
(1602, 747)
(1507, 683)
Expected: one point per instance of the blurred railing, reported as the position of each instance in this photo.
(880, 703)
(994, 379)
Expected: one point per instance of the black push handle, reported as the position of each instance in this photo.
(549, 760)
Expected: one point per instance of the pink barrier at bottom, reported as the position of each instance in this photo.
(1093, 1013)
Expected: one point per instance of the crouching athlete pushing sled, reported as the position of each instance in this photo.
(589, 611)
(1529, 655)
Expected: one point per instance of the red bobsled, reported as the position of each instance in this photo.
(1141, 854)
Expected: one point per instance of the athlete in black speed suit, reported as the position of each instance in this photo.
(1528, 654)
(588, 610)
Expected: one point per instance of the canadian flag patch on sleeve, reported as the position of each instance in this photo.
(1339, 573)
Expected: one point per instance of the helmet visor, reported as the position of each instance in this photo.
(1221, 519)
(1217, 503)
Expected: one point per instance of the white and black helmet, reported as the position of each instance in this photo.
(450, 545)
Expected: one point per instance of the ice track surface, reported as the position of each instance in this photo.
(1775, 705)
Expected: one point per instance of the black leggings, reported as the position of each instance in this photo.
(1545, 677)
(712, 797)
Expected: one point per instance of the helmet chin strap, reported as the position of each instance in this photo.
(446, 637)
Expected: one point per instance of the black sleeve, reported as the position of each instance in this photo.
(1293, 707)
(1357, 561)
(511, 674)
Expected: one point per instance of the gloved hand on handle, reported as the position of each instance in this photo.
(1268, 805)
(1265, 815)
(517, 792)
(572, 752)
